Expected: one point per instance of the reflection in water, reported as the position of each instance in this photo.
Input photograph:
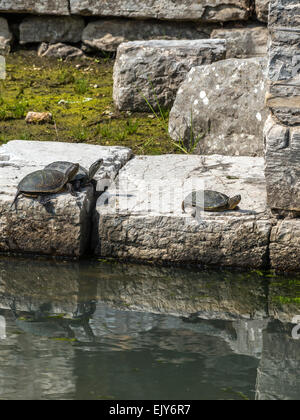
(112, 331)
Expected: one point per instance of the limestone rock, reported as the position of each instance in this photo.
(63, 227)
(60, 50)
(221, 106)
(108, 34)
(285, 245)
(5, 36)
(244, 42)
(41, 7)
(282, 169)
(284, 62)
(38, 117)
(51, 29)
(262, 10)
(153, 70)
(204, 10)
(143, 219)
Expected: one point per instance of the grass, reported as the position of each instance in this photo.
(79, 96)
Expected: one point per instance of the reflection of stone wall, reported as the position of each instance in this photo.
(278, 373)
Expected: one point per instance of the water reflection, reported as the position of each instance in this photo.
(105, 331)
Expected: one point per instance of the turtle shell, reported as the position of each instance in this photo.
(43, 182)
(82, 174)
(212, 200)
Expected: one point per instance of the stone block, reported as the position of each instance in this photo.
(221, 108)
(202, 10)
(108, 34)
(41, 7)
(131, 228)
(152, 71)
(282, 169)
(51, 29)
(62, 228)
(244, 42)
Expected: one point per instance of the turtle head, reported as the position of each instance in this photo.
(94, 168)
(72, 171)
(233, 202)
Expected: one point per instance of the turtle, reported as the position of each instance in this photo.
(82, 177)
(208, 200)
(40, 184)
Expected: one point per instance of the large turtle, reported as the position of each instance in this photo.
(82, 177)
(211, 201)
(40, 184)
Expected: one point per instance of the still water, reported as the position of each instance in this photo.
(95, 330)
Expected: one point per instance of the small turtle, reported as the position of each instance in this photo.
(40, 184)
(83, 177)
(211, 201)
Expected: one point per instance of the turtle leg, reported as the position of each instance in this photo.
(70, 189)
(43, 200)
(14, 203)
(77, 186)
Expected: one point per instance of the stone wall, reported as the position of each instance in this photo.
(103, 25)
(282, 130)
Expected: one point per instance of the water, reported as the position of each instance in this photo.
(93, 330)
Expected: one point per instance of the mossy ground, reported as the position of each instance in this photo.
(79, 95)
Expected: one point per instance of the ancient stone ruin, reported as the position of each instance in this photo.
(208, 62)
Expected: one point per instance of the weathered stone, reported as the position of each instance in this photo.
(204, 10)
(244, 42)
(153, 70)
(38, 117)
(41, 7)
(277, 376)
(51, 29)
(108, 34)
(262, 10)
(63, 227)
(63, 51)
(285, 245)
(221, 106)
(5, 36)
(148, 222)
(282, 169)
(284, 63)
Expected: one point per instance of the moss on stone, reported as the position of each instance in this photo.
(79, 95)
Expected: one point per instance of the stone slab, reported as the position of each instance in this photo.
(204, 10)
(143, 220)
(41, 7)
(152, 71)
(220, 108)
(282, 169)
(51, 29)
(62, 228)
(108, 34)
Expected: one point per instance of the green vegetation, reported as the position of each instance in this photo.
(79, 95)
